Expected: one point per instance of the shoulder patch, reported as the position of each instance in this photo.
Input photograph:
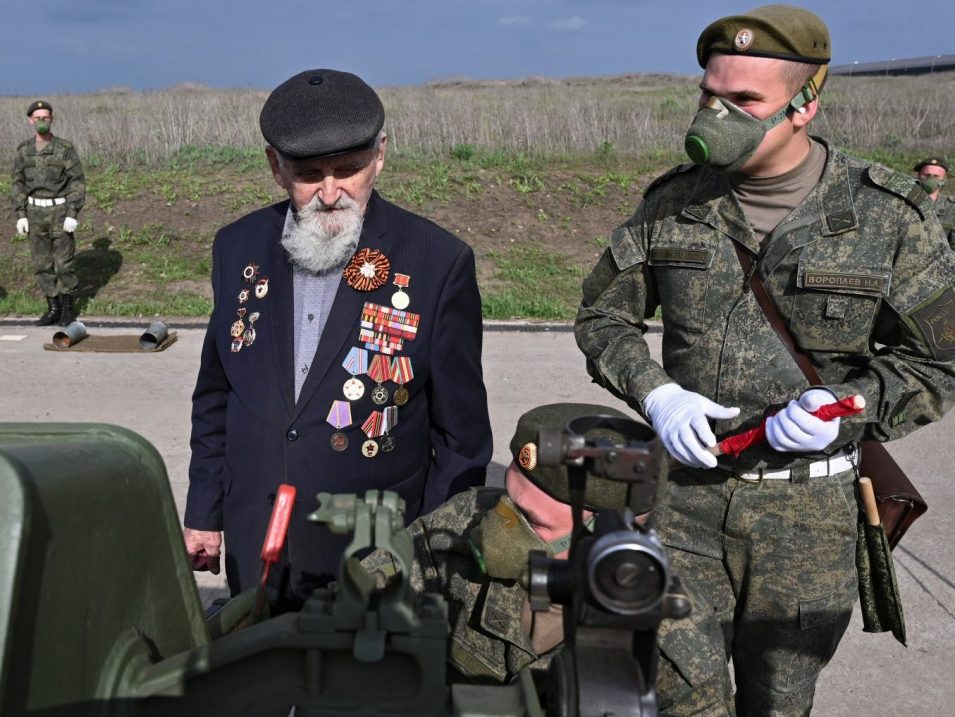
(935, 319)
(902, 186)
(667, 176)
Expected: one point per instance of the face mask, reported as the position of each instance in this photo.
(931, 184)
(42, 127)
(501, 541)
(724, 137)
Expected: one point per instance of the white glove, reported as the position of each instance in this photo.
(23, 226)
(679, 418)
(69, 225)
(796, 429)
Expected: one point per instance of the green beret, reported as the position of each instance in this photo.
(318, 113)
(932, 161)
(39, 105)
(602, 493)
(784, 32)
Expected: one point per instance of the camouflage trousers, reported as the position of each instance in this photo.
(51, 250)
(776, 561)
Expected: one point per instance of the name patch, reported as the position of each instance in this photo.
(854, 282)
(686, 256)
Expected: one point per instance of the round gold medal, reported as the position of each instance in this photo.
(339, 441)
(401, 396)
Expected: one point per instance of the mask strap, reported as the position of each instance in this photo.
(563, 543)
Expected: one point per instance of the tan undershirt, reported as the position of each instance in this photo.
(545, 629)
(767, 201)
(41, 144)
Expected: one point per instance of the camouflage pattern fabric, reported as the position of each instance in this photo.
(863, 276)
(55, 171)
(51, 250)
(945, 210)
(487, 643)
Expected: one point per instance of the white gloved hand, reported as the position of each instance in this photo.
(69, 225)
(679, 418)
(23, 226)
(796, 429)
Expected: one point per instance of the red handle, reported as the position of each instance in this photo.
(278, 523)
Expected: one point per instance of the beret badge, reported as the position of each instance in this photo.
(528, 457)
(743, 40)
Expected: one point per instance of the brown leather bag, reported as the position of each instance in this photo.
(898, 501)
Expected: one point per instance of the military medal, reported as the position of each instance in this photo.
(385, 329)
(248, 338)
(371, 428)
(339, 416)
(379, 371)
(243, 296)
(401, 373)
(356, 363)
(236, 345)
(400, 299)
(250, 272)
(262, 288)
(390, 420)
(238, 328)
(367, 270)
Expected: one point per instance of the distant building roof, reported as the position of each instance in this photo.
(911, 66)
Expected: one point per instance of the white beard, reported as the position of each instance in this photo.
(321, 240)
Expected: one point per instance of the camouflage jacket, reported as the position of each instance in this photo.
(487, 643)
(56, 171)
(945, 209)
(862, 278)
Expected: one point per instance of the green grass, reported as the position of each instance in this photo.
(172, 304)
(533, 283)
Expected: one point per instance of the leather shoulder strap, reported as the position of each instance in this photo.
(776, 320)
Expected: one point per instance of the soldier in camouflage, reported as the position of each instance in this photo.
(853, 257)
(48, 193)
(473, 549)
(931, 174)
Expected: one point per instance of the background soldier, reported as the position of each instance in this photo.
(48, 193)
(858, 268)
(473, 549)
(932, 173)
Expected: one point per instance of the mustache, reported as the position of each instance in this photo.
(316, 207)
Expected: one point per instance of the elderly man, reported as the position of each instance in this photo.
(931, 174)
(344, 350)
(473, 549)
(48, 192)
(856, 266)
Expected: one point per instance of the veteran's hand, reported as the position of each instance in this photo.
(23, 226)
(680, 419)
(70, 224)
(796, 429)
(203, 548)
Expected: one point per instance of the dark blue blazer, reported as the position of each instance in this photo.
(249, 435)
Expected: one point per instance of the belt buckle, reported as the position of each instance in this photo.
(759, 479)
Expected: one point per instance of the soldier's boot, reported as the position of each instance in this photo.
(67, 316)
(52, 314)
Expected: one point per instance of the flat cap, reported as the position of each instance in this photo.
(601, 493)
(931, 161)
(39, 105)
(318, 113)
(784, 32)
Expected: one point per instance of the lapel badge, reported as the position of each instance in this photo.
(262, 288)
(236, 345)
(250, 272)
(248, 338)
(243, 296)
(367, 270)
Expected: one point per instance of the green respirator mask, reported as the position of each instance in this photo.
(42, 127)
(931, 184)
(502, 540)
(724, 137)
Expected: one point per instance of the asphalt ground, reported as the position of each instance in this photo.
(150, 394)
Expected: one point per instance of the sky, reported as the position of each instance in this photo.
(56, 46)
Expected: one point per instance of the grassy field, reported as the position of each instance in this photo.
(533, 174)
